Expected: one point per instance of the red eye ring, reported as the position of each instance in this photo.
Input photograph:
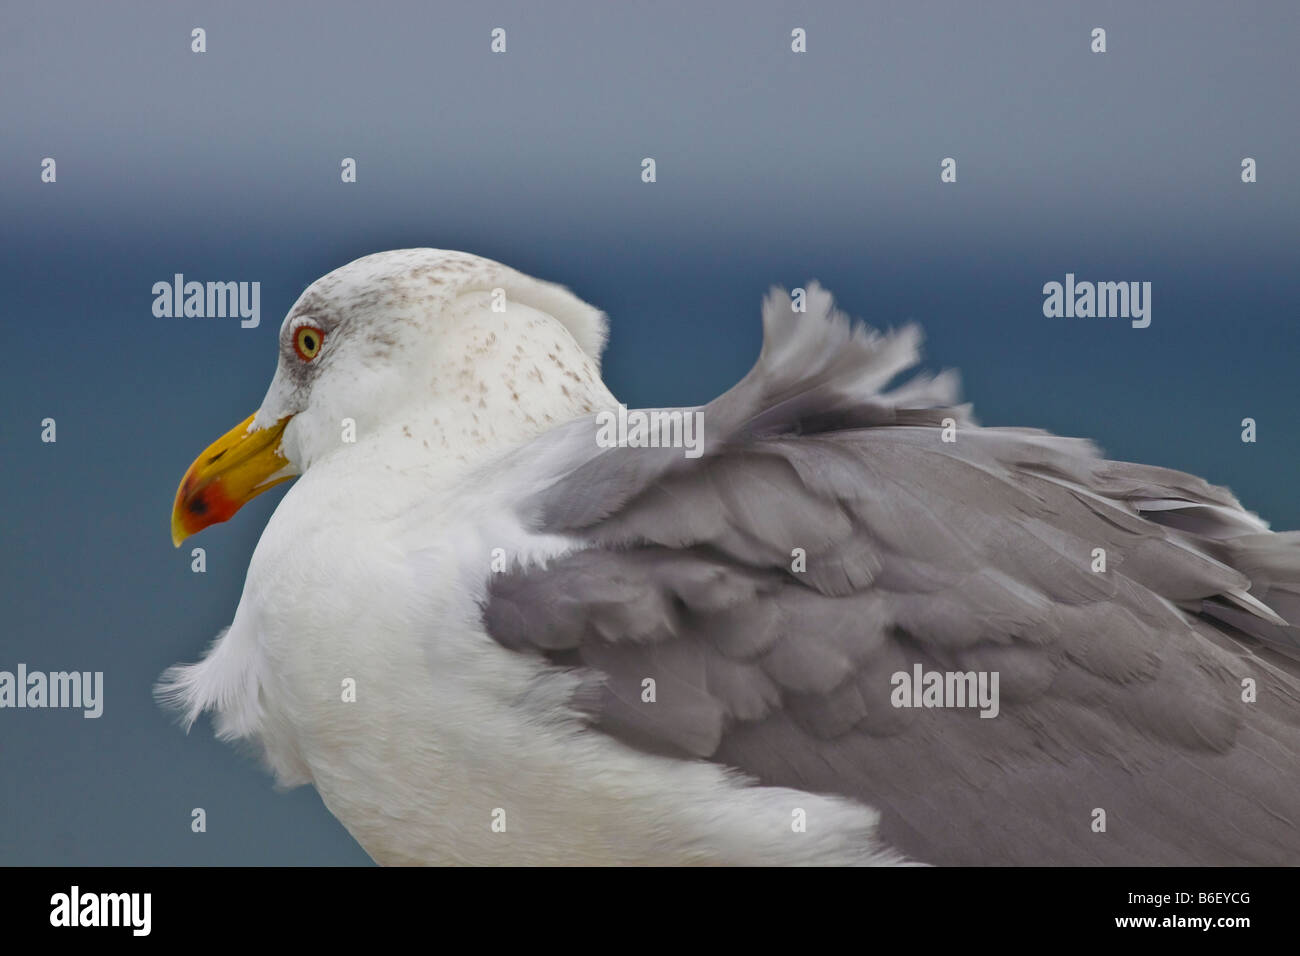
(307, 340)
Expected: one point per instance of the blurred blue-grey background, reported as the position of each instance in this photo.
(773, 167)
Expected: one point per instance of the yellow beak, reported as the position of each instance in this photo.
(232, 471)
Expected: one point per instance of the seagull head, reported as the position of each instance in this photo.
(360, 345)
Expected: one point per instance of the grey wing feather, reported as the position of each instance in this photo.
(1120, 689)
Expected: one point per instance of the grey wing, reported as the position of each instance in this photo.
(834, 535)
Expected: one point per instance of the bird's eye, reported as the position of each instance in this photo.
(307, 342)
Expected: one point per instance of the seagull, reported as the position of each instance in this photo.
(826, 618)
